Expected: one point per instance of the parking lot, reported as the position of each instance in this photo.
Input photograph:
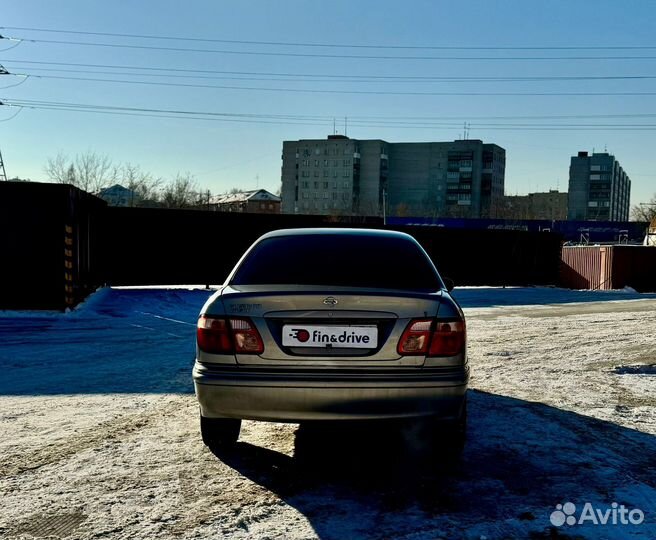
(100, 431)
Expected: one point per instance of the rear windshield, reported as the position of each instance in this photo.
(339, 260)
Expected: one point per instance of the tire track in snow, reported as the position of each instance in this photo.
(117, 428)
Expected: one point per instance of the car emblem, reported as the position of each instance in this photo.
(330, 301)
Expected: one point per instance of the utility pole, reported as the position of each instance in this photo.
(3, 173)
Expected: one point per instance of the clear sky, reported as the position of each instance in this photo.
(317, 84)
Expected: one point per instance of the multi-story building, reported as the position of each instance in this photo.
(368, 177)
(549, 205)
(337, 175)
(599, 189)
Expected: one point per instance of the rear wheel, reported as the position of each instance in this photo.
(219, 432)
(450, 437)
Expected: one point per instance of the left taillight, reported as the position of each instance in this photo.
(219, 335)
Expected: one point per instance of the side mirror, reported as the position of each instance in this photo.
(449, 283)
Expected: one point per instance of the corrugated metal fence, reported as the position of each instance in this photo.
(609, 267)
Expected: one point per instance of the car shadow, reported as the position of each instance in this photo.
(376, 480)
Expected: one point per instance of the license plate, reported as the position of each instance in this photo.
(330, 337)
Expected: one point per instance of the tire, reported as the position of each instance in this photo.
(452, 436)
(219, 432)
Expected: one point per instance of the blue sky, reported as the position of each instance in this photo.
(222, 154)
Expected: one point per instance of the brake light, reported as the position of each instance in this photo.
(448, 338)
(218, 335)
(432, 337)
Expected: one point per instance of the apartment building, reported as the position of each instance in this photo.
(339, 175)
(599, 189)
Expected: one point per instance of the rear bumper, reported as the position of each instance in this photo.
(295, 396)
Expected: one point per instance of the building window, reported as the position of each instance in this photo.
(334, 185)
(305, 195)
(325, 194)
(334, 174)
(325, 185)
(335, 163)
(347, 162)
(316, 162)
(347, 173)
(325, 163)
(305, 184)
(325, 172)
(317, 151)
(346, 185)
(316, 185)
(316, 173)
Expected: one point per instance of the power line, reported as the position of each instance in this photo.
(307, 77)
(20, 109)
(339, 91)
(336, 45)
(310, 120)
(337, 56)
(457, 119)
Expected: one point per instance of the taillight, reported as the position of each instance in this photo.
(217, 335)
(416, 338)
(213, 335)
(246, 337)
(448, 338)
(432, 337)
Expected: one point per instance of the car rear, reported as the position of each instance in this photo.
(326, 324)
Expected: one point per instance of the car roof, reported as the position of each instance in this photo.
(335, 231)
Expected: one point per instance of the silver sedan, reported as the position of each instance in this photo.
(331, 324)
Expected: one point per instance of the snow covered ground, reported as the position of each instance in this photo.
(100, 437)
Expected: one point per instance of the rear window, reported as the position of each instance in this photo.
(339, 260)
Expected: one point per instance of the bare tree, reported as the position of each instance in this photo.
(89, 171)
(57, 169)
(645, 212)
(93, 171)
(144, 186)
(181, 192)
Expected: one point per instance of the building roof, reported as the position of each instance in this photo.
(114, 190)
(244, 196)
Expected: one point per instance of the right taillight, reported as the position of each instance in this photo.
(448, 338)
(218, 335)
(432, 337)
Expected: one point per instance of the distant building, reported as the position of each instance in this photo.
(599, 189)
(255, 201)
(344, 176)
(551, 205)
(118, 195)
